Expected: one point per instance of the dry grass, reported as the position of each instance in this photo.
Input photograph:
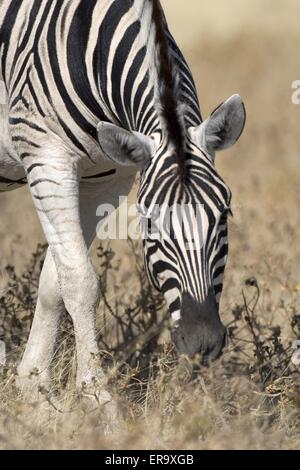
(250, 398)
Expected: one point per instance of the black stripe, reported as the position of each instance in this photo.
(32, 93)
(32, 18)
(23, 139)
(18, 99)
(176, 305)
(7, 29)
(150, 123)
(170, 284)
(72, 109)
(36, 53)
(108, 27)
(131, 76)
(76, 57)
(16, 121)
(101, 175)
(120, 59)
(35, 165)
(219, 271)
(25, 155)
(11, 182)
(139, 94)
(144, 119)
(43, 180)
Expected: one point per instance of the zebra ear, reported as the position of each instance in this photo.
(224, 127)
(124, 147)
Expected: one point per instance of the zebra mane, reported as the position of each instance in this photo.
(169, 88)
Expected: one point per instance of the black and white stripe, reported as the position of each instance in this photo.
(68, 65)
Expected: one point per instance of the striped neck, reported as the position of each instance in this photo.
(141, 75)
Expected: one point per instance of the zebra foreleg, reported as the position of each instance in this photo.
(34, 370)
(55, 191)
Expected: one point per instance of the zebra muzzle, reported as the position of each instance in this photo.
(199, 329)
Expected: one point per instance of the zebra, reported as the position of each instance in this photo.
(96, 92)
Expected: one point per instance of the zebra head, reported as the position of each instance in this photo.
(184, 220)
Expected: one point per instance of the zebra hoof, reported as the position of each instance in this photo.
(199, 330)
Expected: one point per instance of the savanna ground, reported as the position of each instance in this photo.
(249, 399)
